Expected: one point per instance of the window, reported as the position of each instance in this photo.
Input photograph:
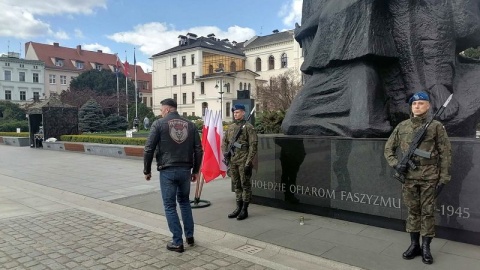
(23, 95)
(174, 79)
(144, 100)
(63, 79)
(35, 77)
(193, 97)
(221, 66)
(79, 65)
(193, 77)
(249, 86)
(21, 76)
(227, 85)
(240, 86)
(184, 78)
(233, 66)
(8, 95)
(283, 60)
(227, 107)
(184, 61)
(202, 88)
(72, 78)
(184, 98)
(8, 75)
(258, 64)
(210, 69)
(244, 86)
(184, 114)
(271, 62)
(174, 62)
(175, 97)
(51, 78)
(35, 67)
(193, 113)
(58, 62)
(98, 66)
(192, 57)
(7, 64)
(22, 65)
(36, 96)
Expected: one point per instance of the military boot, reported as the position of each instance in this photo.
(237, 210)
(414, 249)
(426, 255)
(244, 213)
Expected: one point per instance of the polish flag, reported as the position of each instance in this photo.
(212, 160)
(219, 140)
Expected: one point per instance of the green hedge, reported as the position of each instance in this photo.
(103, 139)
(12, 125)
(14, 134)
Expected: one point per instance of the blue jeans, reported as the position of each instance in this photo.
(175, 186)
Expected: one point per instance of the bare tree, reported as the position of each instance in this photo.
(279, 92)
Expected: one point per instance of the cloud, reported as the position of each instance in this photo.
(291, 13)
(78, 33)
(154, 37)
(96, 47)
(20, 19)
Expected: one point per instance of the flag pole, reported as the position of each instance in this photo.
(197, 202)
(126, 83)
(117, 70)
(136, 88)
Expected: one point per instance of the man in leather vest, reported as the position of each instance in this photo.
(179, 156)
(423, 184)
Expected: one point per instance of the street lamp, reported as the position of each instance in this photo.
(221, 94)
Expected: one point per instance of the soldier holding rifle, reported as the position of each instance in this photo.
(423, 168)
(240, 147)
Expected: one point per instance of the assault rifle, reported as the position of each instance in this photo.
(406, 161)
(234, 144)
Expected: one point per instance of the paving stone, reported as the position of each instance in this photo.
(74, 239)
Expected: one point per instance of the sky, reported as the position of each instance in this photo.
(144, 26)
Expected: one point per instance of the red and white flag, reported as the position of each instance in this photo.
(212, 165)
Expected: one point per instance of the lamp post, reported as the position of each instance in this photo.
(221, 95)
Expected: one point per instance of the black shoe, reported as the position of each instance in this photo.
(237, 210)
(172, 247)
(426, 254)
(244, 213)
(191, 241)
(414, 249)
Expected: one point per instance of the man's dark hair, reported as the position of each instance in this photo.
(169, 102)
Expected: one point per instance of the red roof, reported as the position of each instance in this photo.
(48, 54)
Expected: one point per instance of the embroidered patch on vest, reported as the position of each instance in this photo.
(178, 130)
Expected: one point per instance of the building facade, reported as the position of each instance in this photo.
(63, 64)
(207, 72)
(21, 80)
(200, 73)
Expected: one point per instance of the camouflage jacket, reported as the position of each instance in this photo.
(435, 141)
(248, 140)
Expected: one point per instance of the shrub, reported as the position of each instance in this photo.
(103, 139)
(12, 125)
(14, 134)
(90, 117)
(269, 122)
(115, 122)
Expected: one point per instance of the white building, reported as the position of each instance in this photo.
(206, 72)
(21, 81)
(200, 73)
(274, 54)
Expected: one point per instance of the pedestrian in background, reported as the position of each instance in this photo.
(423, 184)
(179, 156)
(241, 163)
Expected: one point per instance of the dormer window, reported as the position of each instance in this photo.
(98, 66)
(79, 64)
(58, 62)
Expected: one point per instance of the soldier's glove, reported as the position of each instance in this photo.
(401, 168)
(438, 189)
(248, 170)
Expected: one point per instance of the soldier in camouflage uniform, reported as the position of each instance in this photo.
(241, 163)
(423, 184)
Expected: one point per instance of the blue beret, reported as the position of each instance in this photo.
(418, 96)
(238, 107)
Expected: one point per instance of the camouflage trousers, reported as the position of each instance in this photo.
(419, 197)
(241, 183)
